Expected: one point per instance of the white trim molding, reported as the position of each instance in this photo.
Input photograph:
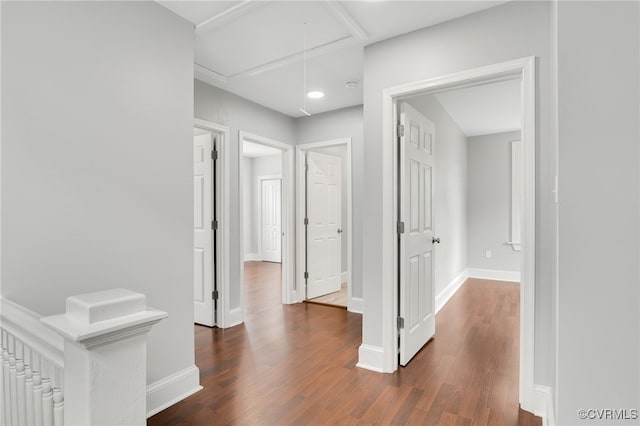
(491, 274)
(522, 69)
(172, 389)
(255, 257)
(543, 405)
(447, 293)
(356, 306)
(235, 317)
(223, 200)
(371, 358)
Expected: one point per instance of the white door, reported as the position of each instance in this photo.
(270, 221)
(202, 230)
(417, 299)
(324, 213)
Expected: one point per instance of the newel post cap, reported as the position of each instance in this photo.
(98, 318)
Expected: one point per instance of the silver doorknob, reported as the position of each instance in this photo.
(435, 240)
(339, 230)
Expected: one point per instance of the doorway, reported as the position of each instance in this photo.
(266, 199)
(524, 70)
(324, 223)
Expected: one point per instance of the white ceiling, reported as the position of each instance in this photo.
(253, 150)
(484, 110)
(255, 48)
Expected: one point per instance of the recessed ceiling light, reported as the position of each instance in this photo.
(351, 84)
(315, 94)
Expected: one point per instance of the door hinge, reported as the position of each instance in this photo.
(400, 323)
(214, 154)
(400, 130)
(400, 227)
(306, 220)
(215, 295)
(214, 225)
(306, 275)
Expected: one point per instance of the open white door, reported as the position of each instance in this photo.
(203, 256)
(271, 224)
(324, 212)
(417, 299)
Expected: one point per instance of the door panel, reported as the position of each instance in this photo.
(417, 301)
(324, 211)
(203, 256)
(271, 220)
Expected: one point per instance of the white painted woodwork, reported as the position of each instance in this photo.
(31, 382)
(271, 207)
(105, 342)
(417, 273)
(324, 211)
(203, 306)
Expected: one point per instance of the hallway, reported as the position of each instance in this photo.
(295, 364)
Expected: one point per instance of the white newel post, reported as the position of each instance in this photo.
(105, 357)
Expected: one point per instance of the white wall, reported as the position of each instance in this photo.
(489, 202)
(509, 31)
(344, 123)
(97, 161)
(449, 192)
(250, 248)
(598, 286)
(341, 151)
(221, 107)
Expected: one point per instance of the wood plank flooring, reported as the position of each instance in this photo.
(295, 364)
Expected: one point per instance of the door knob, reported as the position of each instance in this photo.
(339, 230)
(435, 240)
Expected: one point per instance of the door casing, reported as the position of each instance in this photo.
(221, 315)
(353, 304)
(524, 69)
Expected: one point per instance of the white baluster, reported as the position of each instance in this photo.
(7, 382)
(2, 380)
(13, 380)
(58, 407)
(37, 398)
(28, 390)
(47, 403)
(20, 392)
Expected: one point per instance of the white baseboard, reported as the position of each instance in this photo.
(344, 277)
(543, 404)
(252, 257)
(370, 358)
(172, 389)
(490, 274)
(234, 318)
(443, 297)
(356, 305)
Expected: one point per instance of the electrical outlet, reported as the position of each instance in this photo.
(487, 254)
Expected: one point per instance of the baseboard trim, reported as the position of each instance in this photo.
(356, 305)
(344, 277)
(172, 389)
(543, 404)
(371, 358)
(490, 274)
(234, 318)
(447, 293)
(252, 257)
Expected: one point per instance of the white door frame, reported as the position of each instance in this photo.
(222, 202)
(524, 69)
(301, 150)
(260, 179)
(287, 194)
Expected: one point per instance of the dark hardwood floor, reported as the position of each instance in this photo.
(295, 364)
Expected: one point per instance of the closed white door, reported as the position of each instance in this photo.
(324, 213)
(202, 230)
(416, 263)
(270, 221)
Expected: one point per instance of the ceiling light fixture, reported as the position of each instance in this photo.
(304, 71)
(315, 94)
(351, 84)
